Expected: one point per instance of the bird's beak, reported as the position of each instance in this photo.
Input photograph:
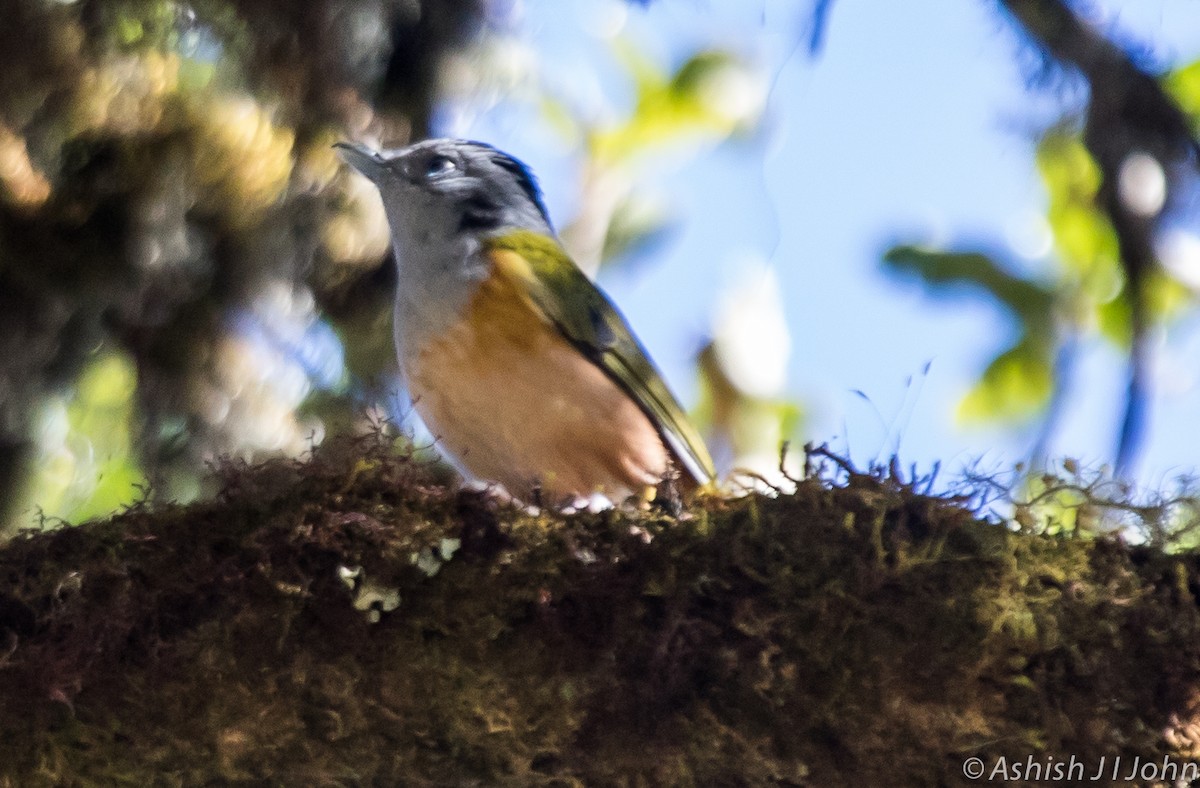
(361, 158)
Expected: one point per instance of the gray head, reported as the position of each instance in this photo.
(437, 189)
(443, 198)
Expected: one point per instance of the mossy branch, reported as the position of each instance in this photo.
(351, 620)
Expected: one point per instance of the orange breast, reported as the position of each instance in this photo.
(514, 402)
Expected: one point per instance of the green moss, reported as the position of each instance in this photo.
(842, 634)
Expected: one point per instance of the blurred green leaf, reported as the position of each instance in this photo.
(695, 78)
(1014, 387)
(129, 31)
(142, 24)
(1083, 237)
(1029, 301)
(1017, 383)
(1166, 296)
(87, 466)
(713, 94)
(1184, 86)
(100, 418)
(1112, 318)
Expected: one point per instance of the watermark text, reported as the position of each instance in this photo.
(1072, 769)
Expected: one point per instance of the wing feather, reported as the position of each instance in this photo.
(570, 300)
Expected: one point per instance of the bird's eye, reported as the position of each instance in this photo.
(439, 165)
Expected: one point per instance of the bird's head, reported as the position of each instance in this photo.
(439, 189)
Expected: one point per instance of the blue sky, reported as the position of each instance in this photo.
(914, 123)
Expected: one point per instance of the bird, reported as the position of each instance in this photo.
(519, 365)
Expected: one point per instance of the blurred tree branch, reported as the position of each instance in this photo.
(818, 25)
(349, 620)
(1128, 113)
